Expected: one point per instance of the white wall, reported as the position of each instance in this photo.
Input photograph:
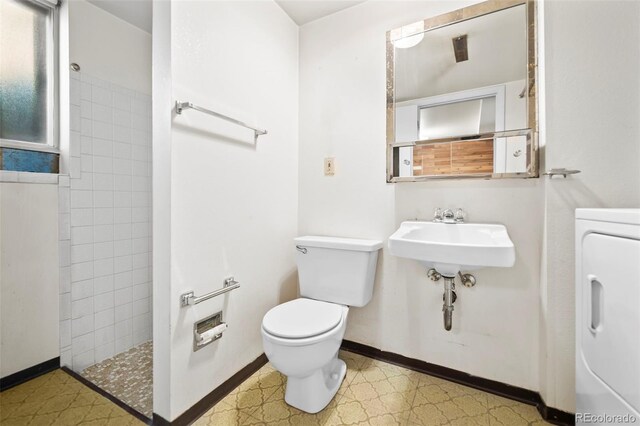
(233, 205)
(28, 275)
(161, 210)
(109, 48)
(515, 106)
(592, 111)
(342, 115)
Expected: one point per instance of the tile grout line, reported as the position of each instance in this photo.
(255, 409)
(412, 402)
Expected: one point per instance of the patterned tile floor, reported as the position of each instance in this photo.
(373, 393)
(128, 376)
(56, 398)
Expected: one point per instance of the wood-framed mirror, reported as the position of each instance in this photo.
(461, 94)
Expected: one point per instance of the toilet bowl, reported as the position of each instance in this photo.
(302, 337)
(308, 358)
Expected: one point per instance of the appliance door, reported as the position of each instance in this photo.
(610, 323)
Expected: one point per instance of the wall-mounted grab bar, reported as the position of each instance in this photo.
(189, 299)
(180, 106)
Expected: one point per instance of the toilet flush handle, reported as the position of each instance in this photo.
(301, 249)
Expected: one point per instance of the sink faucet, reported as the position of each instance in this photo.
(448, 216)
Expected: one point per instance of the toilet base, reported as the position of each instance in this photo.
(312, 393)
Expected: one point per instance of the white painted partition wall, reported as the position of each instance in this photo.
(28, 270)
(222, 205)
(592, 63)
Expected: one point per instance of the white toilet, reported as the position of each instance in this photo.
(302, 337)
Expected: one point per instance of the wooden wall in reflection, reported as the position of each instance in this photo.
(453, 158)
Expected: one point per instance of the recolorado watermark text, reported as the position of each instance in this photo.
(605, 419)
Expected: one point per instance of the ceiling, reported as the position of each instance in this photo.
(136, 12)
(303, 11)
(139, 12)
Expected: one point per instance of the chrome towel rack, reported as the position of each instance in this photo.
(189, 299)
(560, 172)
(181, 106)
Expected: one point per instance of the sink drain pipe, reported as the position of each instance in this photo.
(449, 297)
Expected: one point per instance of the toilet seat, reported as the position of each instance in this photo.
(302, 318)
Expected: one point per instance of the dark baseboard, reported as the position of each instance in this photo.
(512, 392)
(215, 396)
(160, 421)
(29, 373)
(555, 416)
(107, 395)
(525, 396)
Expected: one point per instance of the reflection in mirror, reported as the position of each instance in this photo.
(462, 94)
(468, 117)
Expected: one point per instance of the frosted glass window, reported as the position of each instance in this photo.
(24, 39)
(462, 118)
(454, 119)
(488, 115)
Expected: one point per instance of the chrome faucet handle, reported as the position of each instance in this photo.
(448, 216)
(459, 216)
(437, 215)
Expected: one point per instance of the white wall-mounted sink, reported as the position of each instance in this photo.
(453, 247)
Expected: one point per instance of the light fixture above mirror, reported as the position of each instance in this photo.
(410, 35)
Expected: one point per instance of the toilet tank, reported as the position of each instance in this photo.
(337, 270)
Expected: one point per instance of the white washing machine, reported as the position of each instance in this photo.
(607, 316)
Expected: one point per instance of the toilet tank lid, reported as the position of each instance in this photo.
(338, 243)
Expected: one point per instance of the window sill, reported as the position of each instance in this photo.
(29, 146)
(7, 176)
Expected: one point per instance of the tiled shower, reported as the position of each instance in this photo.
(105, 225)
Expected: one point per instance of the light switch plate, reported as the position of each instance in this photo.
(329, 166)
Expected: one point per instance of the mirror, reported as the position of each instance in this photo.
(461, 99)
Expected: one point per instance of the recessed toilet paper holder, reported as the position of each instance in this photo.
(208, 330)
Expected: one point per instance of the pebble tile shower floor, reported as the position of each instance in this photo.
(373, 393)
(127, 376)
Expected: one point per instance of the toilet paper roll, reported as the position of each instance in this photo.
(210, 334)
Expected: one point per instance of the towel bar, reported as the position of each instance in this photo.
(180, 106)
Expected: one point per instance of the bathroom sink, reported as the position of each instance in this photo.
(453, 247)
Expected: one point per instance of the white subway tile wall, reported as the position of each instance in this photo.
(105, 224)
